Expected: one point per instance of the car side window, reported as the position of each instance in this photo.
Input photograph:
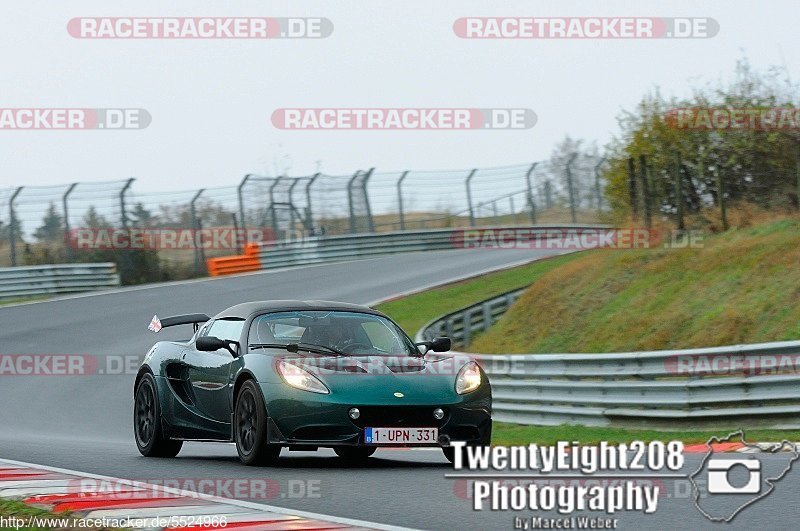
(228, 329)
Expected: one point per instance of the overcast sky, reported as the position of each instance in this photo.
(211, 101)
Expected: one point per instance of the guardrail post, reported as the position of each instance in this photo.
(350, 205)
(469, 198)
(528, 182)
(13, 226)
(400, 199)
(240, 195)
(571, 188)
(487, 315)
(64, 203)
(309, 214)
(198, 267)
(466, 327)
(370, 221)
(597, 192)
(450, 328)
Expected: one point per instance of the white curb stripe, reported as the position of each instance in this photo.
(183, 510)
(267, 510)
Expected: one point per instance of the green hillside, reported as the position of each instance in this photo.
(742, 286)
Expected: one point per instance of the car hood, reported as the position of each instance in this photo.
(431, 377)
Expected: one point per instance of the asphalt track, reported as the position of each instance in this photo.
(84, 422)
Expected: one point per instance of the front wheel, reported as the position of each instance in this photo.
(354, 453)
(250, 431)
(149, 436)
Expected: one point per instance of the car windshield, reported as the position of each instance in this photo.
(348, 332)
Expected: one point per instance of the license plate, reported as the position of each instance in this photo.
(401, 435)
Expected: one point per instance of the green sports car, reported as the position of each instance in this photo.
(306, 375)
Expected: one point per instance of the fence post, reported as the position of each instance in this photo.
(633, 195)
(292, 209)
(370, 221)
(797, 172)
(400, 198)
(122, 207)
(571, 188)
(678, 192)
(64, 200)
(721, 197)
(196, 227)
(239, 190)
(469, 198)
(531, 204)
(309, 214)
(597, 192)
(273, 218)
(548, 194)
(648, 214)
(350, 205)
(125, 259)
(13, 225)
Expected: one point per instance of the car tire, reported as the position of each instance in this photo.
(354, 453)
(147, 429)
(250, 428)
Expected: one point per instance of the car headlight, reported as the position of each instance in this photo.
(468, 379)
(300, 378)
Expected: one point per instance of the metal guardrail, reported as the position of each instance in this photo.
(462, 324)
(29, 281)
(708, 387)
(355, 246)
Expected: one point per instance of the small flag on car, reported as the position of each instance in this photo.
(155, 324)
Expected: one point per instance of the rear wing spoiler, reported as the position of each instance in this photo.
(195, 319)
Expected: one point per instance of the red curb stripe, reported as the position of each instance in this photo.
(238, 525)
(93, 505)
(278, 525)
(86, 496)
(717, 447)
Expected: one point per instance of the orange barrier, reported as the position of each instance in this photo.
(230, 265)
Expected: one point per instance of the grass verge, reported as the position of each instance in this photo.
(412, 312)
(35, 519)
(515, 434)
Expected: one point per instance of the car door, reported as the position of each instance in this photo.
(209, 373)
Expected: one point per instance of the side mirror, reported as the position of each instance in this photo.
(213, 344)
(439, 344)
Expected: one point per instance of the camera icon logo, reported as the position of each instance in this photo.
(719, 471)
